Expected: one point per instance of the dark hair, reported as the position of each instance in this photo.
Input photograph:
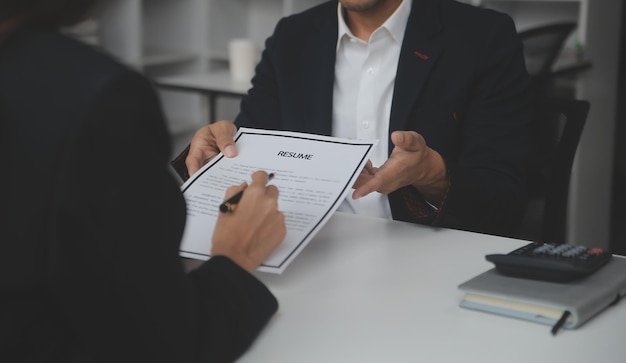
(46, 12)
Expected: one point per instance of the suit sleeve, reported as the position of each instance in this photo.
(488, 190)
(115, 273)
(488, 173)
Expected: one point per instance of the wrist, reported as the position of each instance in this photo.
(239, 260)
(435, 186)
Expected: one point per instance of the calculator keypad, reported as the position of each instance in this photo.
(551, 262)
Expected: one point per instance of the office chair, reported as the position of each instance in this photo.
(542, 46)
(556, 131)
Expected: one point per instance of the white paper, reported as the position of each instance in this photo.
(313, 175)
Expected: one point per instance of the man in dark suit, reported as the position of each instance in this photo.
(92, 218)
(454, 123)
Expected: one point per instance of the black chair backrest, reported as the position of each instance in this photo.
(543, 44)
(557, 128)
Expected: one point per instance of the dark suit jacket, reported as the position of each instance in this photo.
(461, 83)
(92, 220)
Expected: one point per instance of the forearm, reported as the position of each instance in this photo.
(236, 306)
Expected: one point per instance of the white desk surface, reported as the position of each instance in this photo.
(373, 290)
(213, 83)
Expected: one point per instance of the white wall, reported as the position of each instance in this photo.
(590, 195)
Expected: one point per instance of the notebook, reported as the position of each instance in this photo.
(566, 305)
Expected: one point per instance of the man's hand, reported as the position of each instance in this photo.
(411, 162)
(250, 233)
(208, 141)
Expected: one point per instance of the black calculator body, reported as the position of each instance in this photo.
(550, 262)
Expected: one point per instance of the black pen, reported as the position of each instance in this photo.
(231, 203)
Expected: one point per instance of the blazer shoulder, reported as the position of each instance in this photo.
(63, 76)
(62, 51)
(52, 61)
(473, 19)
(320, 11)
(311, 18)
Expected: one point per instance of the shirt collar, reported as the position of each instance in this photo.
(395, 24)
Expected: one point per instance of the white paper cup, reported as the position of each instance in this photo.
(242, 55)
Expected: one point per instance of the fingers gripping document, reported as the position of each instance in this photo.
(313, 175)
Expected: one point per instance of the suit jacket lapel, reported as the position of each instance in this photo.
(321, 56)
(418, 54)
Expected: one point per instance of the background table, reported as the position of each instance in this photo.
(211, 85)
(374, 290)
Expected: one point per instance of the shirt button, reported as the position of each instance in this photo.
(371, 71)
(365, 124)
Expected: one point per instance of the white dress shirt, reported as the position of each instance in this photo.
(365, 72)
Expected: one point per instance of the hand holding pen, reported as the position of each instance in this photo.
(231, 203)
(251, 234)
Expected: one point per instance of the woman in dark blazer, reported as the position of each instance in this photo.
(92, 217)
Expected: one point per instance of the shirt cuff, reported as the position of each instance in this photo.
(421, 208)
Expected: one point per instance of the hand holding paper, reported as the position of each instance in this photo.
(313, 175)
(207, 143)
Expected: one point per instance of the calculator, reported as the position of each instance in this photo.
(550, 262)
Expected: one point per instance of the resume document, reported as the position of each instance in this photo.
(313, 175)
